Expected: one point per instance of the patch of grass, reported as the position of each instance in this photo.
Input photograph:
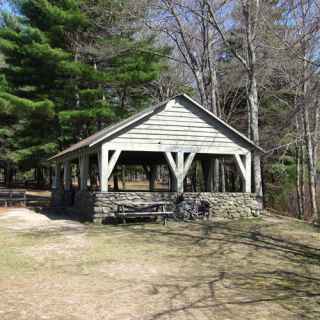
(259, 268)
(12, 260)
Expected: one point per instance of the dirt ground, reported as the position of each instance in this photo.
(52, 268)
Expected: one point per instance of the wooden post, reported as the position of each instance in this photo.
(57, 176)
(104, 163)
(84, 169)
(99, 167)
(67, 175)
(107, 165)
(179, 168)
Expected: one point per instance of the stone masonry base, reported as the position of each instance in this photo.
(100, 206)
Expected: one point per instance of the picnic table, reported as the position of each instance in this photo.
(9, 197)
(143, 209)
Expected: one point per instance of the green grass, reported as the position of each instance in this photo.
(12, 260)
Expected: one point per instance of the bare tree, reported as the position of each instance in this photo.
(300, 170)
(250, 10)
(186, 26)
(302, 44)
(171, 82)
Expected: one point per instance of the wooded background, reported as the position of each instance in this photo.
(70, 68)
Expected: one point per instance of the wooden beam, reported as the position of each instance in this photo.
(112, 162)
(187, 163)
(179, 167)
(245, 170)
(171, 163)
(240, 166)
(107, 165)
(158, 147)
(173, 171)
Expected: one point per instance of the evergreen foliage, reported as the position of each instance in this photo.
(54, 90)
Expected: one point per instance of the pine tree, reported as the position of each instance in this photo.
(69, 91)
(33, 70)
(132, 62)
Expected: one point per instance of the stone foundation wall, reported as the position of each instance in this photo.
(105, 203)
(229, 205)
(99, 206)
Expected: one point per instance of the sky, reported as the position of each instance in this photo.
(4, 5)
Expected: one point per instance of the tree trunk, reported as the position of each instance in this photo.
(250, 10)
(222, 176)
(207, 175)
(299, 172)
(123, 177)
(216, 176)
(153, 177)
(249, 116)
(311, 165)
(233, 184)
(8, 175)
(39, 176)
(299, 182)
(254, 129)
(50, 176)
(115, 180)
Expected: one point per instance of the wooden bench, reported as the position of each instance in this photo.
(143, 209)
(9, 197)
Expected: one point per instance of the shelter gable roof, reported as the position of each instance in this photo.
(119, 126)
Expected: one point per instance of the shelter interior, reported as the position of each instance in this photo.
(150, 171)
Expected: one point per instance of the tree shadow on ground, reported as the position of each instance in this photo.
(246, 267)
(55, 213)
